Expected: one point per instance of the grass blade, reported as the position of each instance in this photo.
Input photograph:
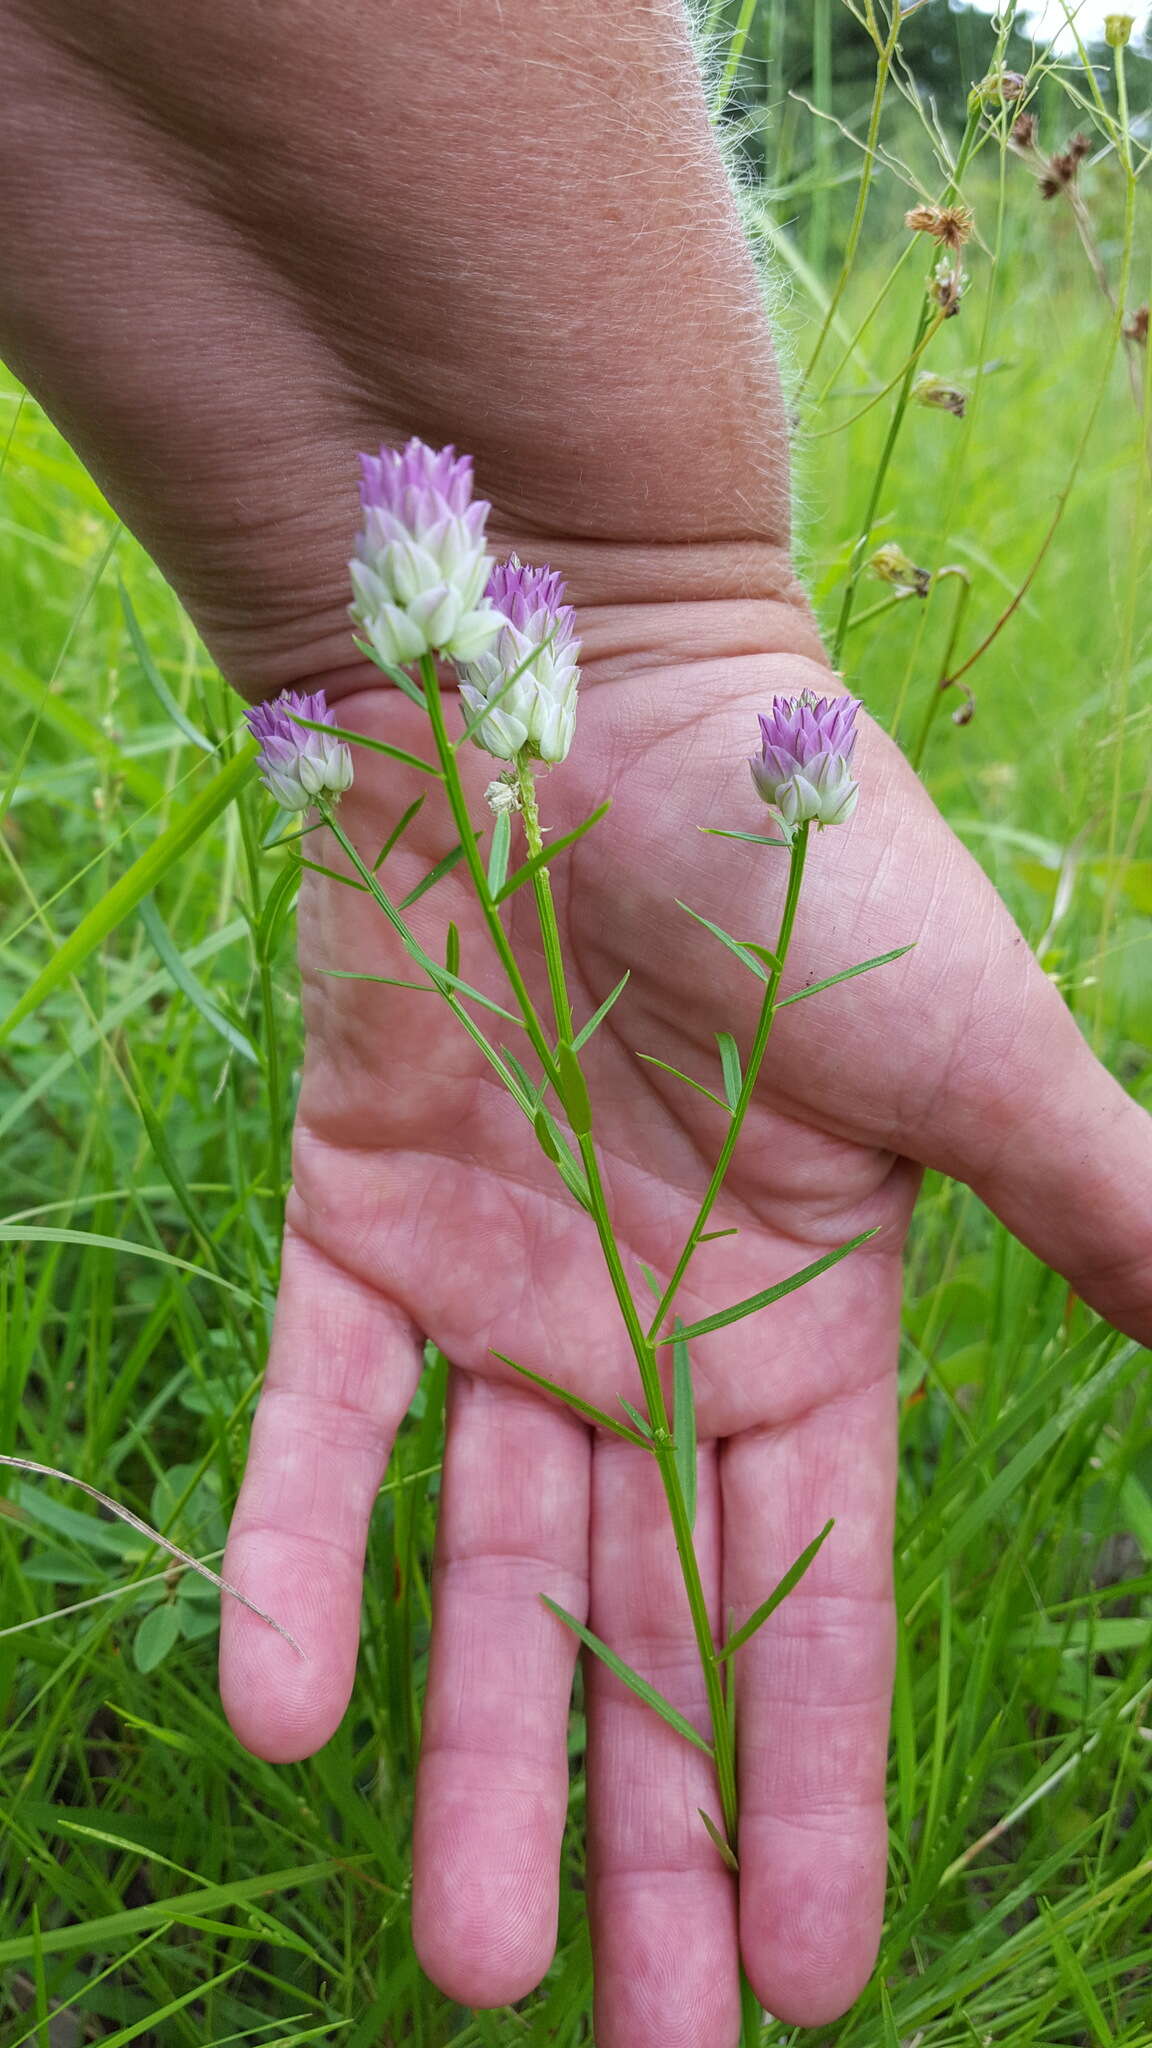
(549, 853)
(598, 1016)
(754, 1302)
(91, 1935)
(139, 881)
(849, 974)
(155, 680)
(684, 1419)
(628, 1677)
(584, 1408)
(780, 1591)
(188, 985)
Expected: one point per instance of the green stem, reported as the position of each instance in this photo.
(751, 1076)
(458, 805)
(545, 905)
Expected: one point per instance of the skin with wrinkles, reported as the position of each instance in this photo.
(240, 244)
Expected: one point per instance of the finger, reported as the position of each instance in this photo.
(342, 1370)
(813, 1694)
(492, 1793)
(663, 1907)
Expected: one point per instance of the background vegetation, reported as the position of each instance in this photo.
(161, 1886)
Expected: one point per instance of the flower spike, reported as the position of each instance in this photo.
(297, 765)
(537, 645)
(802, 770)
(421, 564)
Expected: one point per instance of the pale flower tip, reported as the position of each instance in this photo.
(802, 770)
(420, 566)
(297, 765)
(524, 684)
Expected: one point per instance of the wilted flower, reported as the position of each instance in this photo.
(502, 795)
(802, 770)
(936, 391)
(947, 287)
(892, 565)
(1001, 86)
(1118, 30)
(297, 765)
(951, 226)
(1136, 327)
(1023, 135)
(420, 565)
(537, 645)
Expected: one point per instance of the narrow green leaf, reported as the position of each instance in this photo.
(849, 974)
(395, 675)
(360, 739)
(548, 854)
(34, 1233)
(746, 958)
(138, 881)
(765, 954)
(630, 1678)
(190, 987)
(791, 1579)
(574, 1090)
(94, 1935)
(718, 1842)
(598, 1016)
(533, 1090)
(498, 853)
(441, 974)
(730, 1066)
(709, 1236)
(541, 1123)
(434, 875)
(397, 832)
(684, 1419)
(155, 680)
(316, 867)
(755, 838)
(755, 1302)
(651, 1061)
(654, 1287)
(278, 905)
(570, 1170)
(637, 1418)
(584, 1408)
(452, 950)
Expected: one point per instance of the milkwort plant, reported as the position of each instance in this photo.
(425, 591)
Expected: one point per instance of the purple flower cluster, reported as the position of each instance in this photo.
(530, 675)
(297, 765)
(802, 770)
(420, 566)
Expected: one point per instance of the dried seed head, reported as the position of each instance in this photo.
(1080, 147)
(1023, 134)
(1136, 327)
(1118, 30)
(935, 391)
(951, 226)
(893, 566)
(1000, 88)
(948, 287)
(502, 795)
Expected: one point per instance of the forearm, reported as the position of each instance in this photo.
(241, 243)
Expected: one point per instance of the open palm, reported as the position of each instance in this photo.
(423, 1207)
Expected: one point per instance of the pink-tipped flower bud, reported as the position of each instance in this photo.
(802, 770)
(537, 645)
(421, 564)
(297, 765)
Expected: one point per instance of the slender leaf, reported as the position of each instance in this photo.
(724, 1849)
(316, 867)
(780, 1591)
(849, 974)
(395, 675)
(443, 867)
(684, 1419)
(397, 832)
(569, 1169)
(498, 853)
(548, 854)
(651, 1061)
(138, 881)
(577, 1105)
(93, 1935)
(745, 957)
(452, 950)
(754, 838)
(190, 987)
(155, 680)
(710, 1236)
(278, 904)
(730, 1066)
(584, 1408)
(441, 974)
(630, 1678)
(360, 739)
(754, 1302)
(598, 1016)
(637, 1418)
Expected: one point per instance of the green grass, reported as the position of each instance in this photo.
(166, 1886)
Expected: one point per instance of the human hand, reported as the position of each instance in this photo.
(422, 1206)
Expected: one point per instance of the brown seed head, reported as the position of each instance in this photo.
(951, 226)
(1058, 175)
(931, 390)
(1023, 134)
(1079, 147)
(1004, 86)
(1136, 327)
